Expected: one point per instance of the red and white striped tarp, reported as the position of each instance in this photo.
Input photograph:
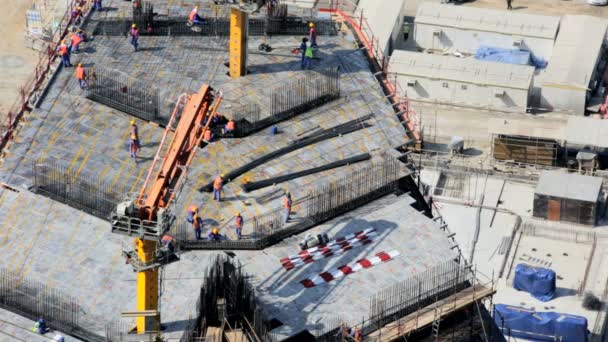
(335, 247)
(341, 271)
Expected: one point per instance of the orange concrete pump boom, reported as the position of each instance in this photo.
(149, 215)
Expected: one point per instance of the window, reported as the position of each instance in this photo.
(464, 87)
(446, 85)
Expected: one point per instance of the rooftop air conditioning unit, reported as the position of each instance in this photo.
(412, 83)
(518, 43)
(499, 93)
(436, 33)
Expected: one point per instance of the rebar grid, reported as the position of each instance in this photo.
(228, 298)
(127, 94)
(32, 299)
(83, 192)
(213, 26)
(322, 204)
(407, 297)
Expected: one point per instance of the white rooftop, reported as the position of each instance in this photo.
(587, 131)
(569, 185)
(381, 19)
(478, 19)
(575, 53)
(468, 70)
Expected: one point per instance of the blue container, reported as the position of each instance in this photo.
(274, 130)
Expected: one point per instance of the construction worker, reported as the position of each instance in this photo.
(287, 205)
(81, 75)
(230, 127)
(313, 34)
(168, 242)
(308, 56)
(77, 15)
(197, 225)
(194, 18)
(64, 52)
(134, 33)
(135, 134)
(303, 47)
(137, 7)
(75, 41)
(214, 235)
(40, 326)
(97, 5)
(217, 187)
(238, 223)
(191, 211)
(207, 135)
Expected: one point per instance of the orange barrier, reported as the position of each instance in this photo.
(36, 80)
(364, 34)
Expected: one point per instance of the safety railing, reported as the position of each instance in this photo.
(355, 18)
(34, 85)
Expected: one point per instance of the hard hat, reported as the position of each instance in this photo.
(132, 122)
(79, 8)
(311, 24)
(63, 41)
(238, 213)
(214, 231)
(222, 175)
(133, 26)
(79, 64)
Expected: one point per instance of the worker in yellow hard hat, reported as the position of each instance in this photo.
(312, 34)
(134, 33)
(64, 52)
(214, 235)
(217, 187)
(287, 203)
(238, 222)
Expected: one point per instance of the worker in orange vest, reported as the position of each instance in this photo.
(197, 224)
(75, 40)
(230, 127)
(192, 209)
(287, 205)
(217, 187)
(238, 220)
(207, 135)
(64, 52)
(194, 18)
(81, 75)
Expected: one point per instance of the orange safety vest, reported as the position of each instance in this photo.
(217, 183)
(63, 49)
(239, 221)
(207, 135)
(196, 222)
(75, 39)
(286, 202)
(80, 73)
(230, 125)
(192, 15)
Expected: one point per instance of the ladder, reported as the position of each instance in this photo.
(436, 320)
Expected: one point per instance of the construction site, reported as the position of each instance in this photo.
(305, 170)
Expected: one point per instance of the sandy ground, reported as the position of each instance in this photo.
(16, 60)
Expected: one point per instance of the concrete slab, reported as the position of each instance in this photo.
(17, 328)
(420, 241)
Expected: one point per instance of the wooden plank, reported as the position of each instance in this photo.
(235, 336)
(214, 334)
(425, 316)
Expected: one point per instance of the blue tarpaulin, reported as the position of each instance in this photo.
(540, 326)
(510, 56)
(538, 281)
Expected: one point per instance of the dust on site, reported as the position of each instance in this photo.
(305, 170)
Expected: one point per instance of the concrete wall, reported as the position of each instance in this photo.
(464, 94)
(468, 40)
